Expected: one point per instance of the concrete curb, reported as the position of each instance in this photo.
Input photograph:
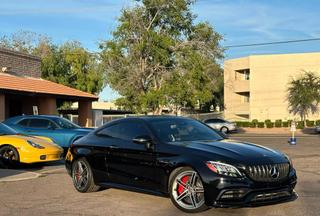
(8, 175)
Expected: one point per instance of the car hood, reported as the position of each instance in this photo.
(42, 142)
(233, 151)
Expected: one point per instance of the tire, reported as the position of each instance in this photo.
(82, 176)
(224, 130)
(186, 190)
(9, 156)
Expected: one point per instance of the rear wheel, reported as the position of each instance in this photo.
(186, 190)
(224, 130)
(82, 176)
(9, 156)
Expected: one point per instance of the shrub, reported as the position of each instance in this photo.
(310, 123)
(318, 122)
(269, 124)
(254, 123)
(245, 124)
(278, 123)
(285, 124)
(267, 121)
(300, 125)
(260, 124)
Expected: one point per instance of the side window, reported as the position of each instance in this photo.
(125, 130)
(39, 123)
(24, 122)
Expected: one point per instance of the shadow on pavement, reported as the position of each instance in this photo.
(16, 169)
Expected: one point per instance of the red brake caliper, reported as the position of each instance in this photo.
(184, 179)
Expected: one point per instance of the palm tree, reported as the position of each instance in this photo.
(304, 95)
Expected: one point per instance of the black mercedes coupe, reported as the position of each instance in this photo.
(182, 158)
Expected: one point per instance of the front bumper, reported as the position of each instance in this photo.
(225, 192)
(40, 156)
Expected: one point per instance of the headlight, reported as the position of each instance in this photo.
(35, 145)
(223, 169)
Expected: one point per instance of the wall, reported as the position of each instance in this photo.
(269, 78)
(20, 64)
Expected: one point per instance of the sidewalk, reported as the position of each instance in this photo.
(9, 175)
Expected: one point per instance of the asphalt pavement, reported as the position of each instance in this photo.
(52, 192)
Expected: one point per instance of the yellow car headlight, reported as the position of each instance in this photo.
(35, 145)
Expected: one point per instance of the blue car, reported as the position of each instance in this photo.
(60, 130)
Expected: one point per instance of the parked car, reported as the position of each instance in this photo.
(60, 130)
(221, 125)
(181, 158)
(16, 148)
(317, 129)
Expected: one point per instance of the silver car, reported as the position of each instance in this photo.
(221, 125)
(317, 129)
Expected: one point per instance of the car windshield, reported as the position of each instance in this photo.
(179, 130)
(65, 123)
(6, 130)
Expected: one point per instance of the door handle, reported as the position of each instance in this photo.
(113, 147)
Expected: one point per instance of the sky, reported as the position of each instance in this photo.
(239, 21)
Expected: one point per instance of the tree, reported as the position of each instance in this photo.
(304, 95)
(69, 63)
(159, 56)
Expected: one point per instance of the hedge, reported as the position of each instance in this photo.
(278, 123)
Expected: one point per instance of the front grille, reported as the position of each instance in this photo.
(268, 172)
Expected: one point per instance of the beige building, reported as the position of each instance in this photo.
(255, 87)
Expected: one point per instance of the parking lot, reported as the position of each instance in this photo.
(53, 194)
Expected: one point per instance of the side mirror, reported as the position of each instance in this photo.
(145, 140)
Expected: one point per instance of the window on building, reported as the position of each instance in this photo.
(242, 74)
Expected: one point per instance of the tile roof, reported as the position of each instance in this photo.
(41, 86)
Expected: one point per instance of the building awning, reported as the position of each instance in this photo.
(40, 86)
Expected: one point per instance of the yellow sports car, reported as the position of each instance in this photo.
(15, 148)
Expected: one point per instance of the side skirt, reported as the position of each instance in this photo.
(131, 188)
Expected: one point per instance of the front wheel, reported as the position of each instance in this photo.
(9, 156)
(186, 190)
(82, 176)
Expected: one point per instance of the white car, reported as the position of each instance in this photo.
(221, 125)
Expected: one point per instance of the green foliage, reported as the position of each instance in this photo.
(304, 95)
(267, 121)
(318, 122)
(278, 123)
(269, 124)
(254, 123)
(68, 64)
(309, 123)
(159, 56)
(285, 124)
(300, 125)
(260, 124)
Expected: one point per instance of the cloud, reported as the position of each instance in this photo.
(271, 21)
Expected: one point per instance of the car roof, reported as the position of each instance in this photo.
(17, 118)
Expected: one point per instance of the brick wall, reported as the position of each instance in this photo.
(20, 64)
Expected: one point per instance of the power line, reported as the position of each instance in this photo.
(272, 43)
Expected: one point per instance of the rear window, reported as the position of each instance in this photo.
(24, 122)
(39, 123)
